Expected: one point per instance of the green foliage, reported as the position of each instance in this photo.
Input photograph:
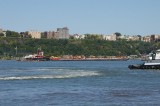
(118, 34)
(1, 35)
(12, 34)
(93, 36)
(87, 47)
(44, 35)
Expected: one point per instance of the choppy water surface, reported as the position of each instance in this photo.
(77, 83)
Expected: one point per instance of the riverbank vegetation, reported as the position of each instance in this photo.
(11, 47)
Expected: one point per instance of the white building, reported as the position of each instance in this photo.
(110, 37)
(77, 36)
(3, 32)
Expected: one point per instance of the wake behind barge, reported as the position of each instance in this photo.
(153, 62)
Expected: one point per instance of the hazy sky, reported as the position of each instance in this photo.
(129, 17)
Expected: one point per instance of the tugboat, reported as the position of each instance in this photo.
(152, 62)
(36, 57)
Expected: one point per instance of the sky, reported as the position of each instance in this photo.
(128, 17)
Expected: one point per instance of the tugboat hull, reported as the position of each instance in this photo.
(142, 66)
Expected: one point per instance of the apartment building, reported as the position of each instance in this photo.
(155, 37)
(146, 38)
(35, 34)
(62, 33)
(52, 35)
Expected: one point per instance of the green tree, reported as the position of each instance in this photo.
(44, 35)
(1, 34)
(12, 34)
(118, 34)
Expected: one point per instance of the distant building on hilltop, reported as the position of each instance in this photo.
(155, 37)
(52, 35)
(133, 38)
(62, 33)
(1, 31)
(146, 39)
(34, 34)
(110, 37)
(77, 36)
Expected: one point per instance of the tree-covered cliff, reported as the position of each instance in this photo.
(85, 47)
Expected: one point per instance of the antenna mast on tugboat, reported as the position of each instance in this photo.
(39, 50)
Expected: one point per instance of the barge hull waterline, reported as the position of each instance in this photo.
(144, 67)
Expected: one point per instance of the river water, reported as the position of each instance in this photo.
(77, 83)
